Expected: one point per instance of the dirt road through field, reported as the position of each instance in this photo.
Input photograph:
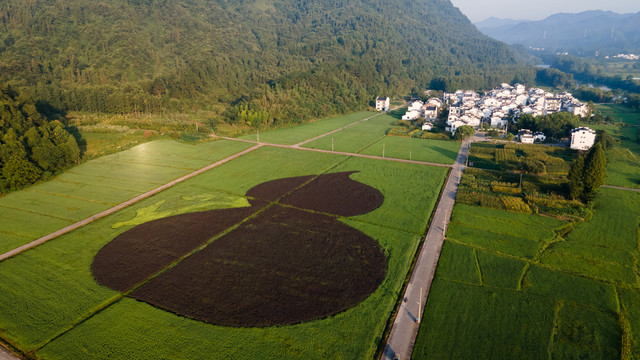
(405, 328)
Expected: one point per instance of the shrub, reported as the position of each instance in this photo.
(515, 204)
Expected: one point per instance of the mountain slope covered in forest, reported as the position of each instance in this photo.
(256, 61)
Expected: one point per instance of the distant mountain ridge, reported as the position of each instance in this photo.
(263, 60)
(590, 31)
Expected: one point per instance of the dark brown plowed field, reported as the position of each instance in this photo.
(283, 266)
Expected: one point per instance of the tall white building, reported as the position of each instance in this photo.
(382, 103)
(582, 138)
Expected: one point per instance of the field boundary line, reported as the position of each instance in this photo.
(122, 205)
(294, 147)
(620, 188)
(335, 131)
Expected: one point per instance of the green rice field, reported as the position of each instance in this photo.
(509, 286)
(294, 135)
(54, 309)
(100, 184)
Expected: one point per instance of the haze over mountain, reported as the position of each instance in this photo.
(585, 33)
(261, 61)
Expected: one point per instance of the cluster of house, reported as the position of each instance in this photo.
(498, 106)
(627, 56)
(428, 111)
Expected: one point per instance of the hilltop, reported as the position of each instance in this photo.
(264, 61)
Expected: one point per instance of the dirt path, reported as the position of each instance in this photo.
(620, 188)
(121, 206)
(405, 327)
(336, 130)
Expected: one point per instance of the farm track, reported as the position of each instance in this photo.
(121, 206)
(297, 147)
(620, 188)
(405, 327)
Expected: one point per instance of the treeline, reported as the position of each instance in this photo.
(273, 62)
(32, 147)
(584, 70)
(555, 126)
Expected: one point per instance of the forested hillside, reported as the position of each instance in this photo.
(31, 146)
(255, 62)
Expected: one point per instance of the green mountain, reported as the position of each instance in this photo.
(257, 61)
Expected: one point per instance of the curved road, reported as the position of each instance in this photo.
(405, 327)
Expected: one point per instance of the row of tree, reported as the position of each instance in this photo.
(32, 147)
(555, 126)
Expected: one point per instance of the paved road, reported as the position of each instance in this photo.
(6, 355)
(405, 328)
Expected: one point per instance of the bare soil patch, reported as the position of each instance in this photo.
(283, 266)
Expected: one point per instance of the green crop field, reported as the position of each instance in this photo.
(355, 138)
(623, 158)
(508, 286)
(620, 113)
(54, 309)
(438, 151)
(100, 184)
(294, 135)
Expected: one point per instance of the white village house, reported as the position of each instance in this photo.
(526, 137)
(582, 138)
(382, 103)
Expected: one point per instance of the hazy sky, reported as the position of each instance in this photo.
(478, 10)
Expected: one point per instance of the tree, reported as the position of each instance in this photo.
(604, 139)
(464, 131)
(576, 185)
(595, 172)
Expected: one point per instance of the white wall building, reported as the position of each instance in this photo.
(382, 103)
(582, 138)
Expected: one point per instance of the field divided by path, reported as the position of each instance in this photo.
(295, 135)
(129, 327)
(542, 295)
(55, 308)
(369, 138)
(101, 184)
